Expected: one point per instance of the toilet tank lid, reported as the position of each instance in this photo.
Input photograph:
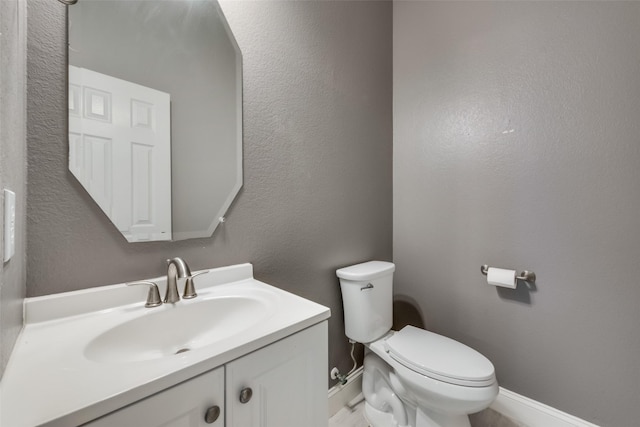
(366, 271)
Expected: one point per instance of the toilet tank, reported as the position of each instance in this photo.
(367, 299)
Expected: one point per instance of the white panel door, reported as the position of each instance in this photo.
(119, 149)
(184, 405)
(288, 383)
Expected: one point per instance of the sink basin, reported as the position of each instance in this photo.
(171, 330)
(104, 335)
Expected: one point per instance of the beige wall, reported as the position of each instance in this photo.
(517, 144)
(13, 50)
(317, 159)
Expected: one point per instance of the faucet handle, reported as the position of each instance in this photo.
(153, 297)
(189, 288)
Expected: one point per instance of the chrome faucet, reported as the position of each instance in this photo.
(176, 269)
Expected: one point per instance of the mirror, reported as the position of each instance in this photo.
(155, 114)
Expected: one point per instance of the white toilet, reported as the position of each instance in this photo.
(412, 378)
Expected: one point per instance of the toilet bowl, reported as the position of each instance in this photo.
(412, 377)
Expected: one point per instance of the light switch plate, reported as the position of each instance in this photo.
(9, 224)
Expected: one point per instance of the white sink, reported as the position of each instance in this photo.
(170, 330)
(86, 353)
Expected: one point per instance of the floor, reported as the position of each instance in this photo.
(349, 416)
(353, 417)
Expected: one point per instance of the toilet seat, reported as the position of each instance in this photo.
(440, 358)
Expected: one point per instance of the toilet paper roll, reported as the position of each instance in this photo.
(501, 277)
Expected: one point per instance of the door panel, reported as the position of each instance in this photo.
(288, 383)
(183, 405)
(119, 139)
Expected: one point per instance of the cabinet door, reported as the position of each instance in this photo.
(288, 382)
(183, 405)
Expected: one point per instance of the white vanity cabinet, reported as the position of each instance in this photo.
(183, 405)
(281, 385)
(288, 383)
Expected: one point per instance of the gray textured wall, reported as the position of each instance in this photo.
(517, 144)
(13, 56)
(317, 147)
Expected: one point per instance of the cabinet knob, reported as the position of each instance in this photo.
(212, 414)
(245, 394)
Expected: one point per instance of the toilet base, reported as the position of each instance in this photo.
(377, 418)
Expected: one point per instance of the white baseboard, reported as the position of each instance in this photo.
(533, 413)
(520, 409)
(341, 395)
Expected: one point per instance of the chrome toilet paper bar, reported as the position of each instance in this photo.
(527, 276)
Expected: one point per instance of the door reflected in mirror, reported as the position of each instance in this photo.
(155, 114)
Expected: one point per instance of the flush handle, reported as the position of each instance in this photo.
(369, 286)
(212, 414)
(245, 395)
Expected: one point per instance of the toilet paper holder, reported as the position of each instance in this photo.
(527, 276)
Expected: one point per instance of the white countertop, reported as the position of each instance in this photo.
(49, 381)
